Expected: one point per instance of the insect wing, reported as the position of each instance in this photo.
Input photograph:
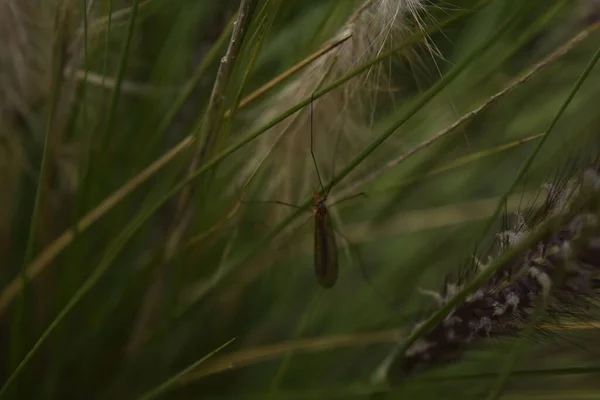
(326, 254)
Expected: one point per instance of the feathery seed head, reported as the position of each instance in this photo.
(506, 303)
(340, 125)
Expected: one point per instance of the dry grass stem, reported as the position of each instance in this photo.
(205, 138)
(44, 259)
(129, 87)
(255, 355)
(290, 72)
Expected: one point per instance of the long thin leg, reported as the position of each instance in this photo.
(283, 203)
(363, 271)
(241, 197)
(352, 196)
(312, 151)
(294, 232)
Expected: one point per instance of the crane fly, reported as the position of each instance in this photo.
(326, 259)
(325, 247)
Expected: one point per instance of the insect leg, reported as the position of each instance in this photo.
(242, 201)
(363, 270)
(350, 197)
(288, 240)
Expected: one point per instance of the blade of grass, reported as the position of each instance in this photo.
(198, 74)
(528, 36)
(57, 74)
(116, 93)
(300, 329)
(279, 228)
(110, 255)
(174, 380)
(265, 20)
(204, 139)
(435, 89)
(256, 355)
(461, 162)
(251, 356)
(17, 329)
(559, 114)
(515, 251)
(289, 73)
(423, 100)
(512, 357)
(105, 22)
(215, 104)
(53, 374)
(107, 43)
(521, 373)
(263, 29)
(193, 241)
(63, 241)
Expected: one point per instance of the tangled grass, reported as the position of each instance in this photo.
(129, 131)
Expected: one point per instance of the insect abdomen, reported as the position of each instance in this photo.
(326, 256)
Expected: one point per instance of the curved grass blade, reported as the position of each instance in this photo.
(559, 114)
(17, 327)
(514, 84)
(114, 101)
(57, 75)
(460, 162)
(425, 98)
(168, 384)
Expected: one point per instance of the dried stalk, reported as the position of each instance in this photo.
(204, 141)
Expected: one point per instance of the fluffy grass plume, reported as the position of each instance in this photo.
(341, 121)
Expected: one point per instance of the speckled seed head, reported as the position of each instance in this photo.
(505, 304)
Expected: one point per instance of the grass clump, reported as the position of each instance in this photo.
(130, 132)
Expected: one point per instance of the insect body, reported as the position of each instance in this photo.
(326, 261)
(325, 249)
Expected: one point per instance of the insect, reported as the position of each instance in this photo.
(325, 249)
(326, 260)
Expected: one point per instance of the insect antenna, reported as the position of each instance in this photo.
(312, 151)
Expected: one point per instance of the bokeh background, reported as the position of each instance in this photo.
(112, 282)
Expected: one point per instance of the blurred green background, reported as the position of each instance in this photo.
(107, 317)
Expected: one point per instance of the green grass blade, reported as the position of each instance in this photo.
(515, 251)
(169, 383)
(57, 71)
(114, 102)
